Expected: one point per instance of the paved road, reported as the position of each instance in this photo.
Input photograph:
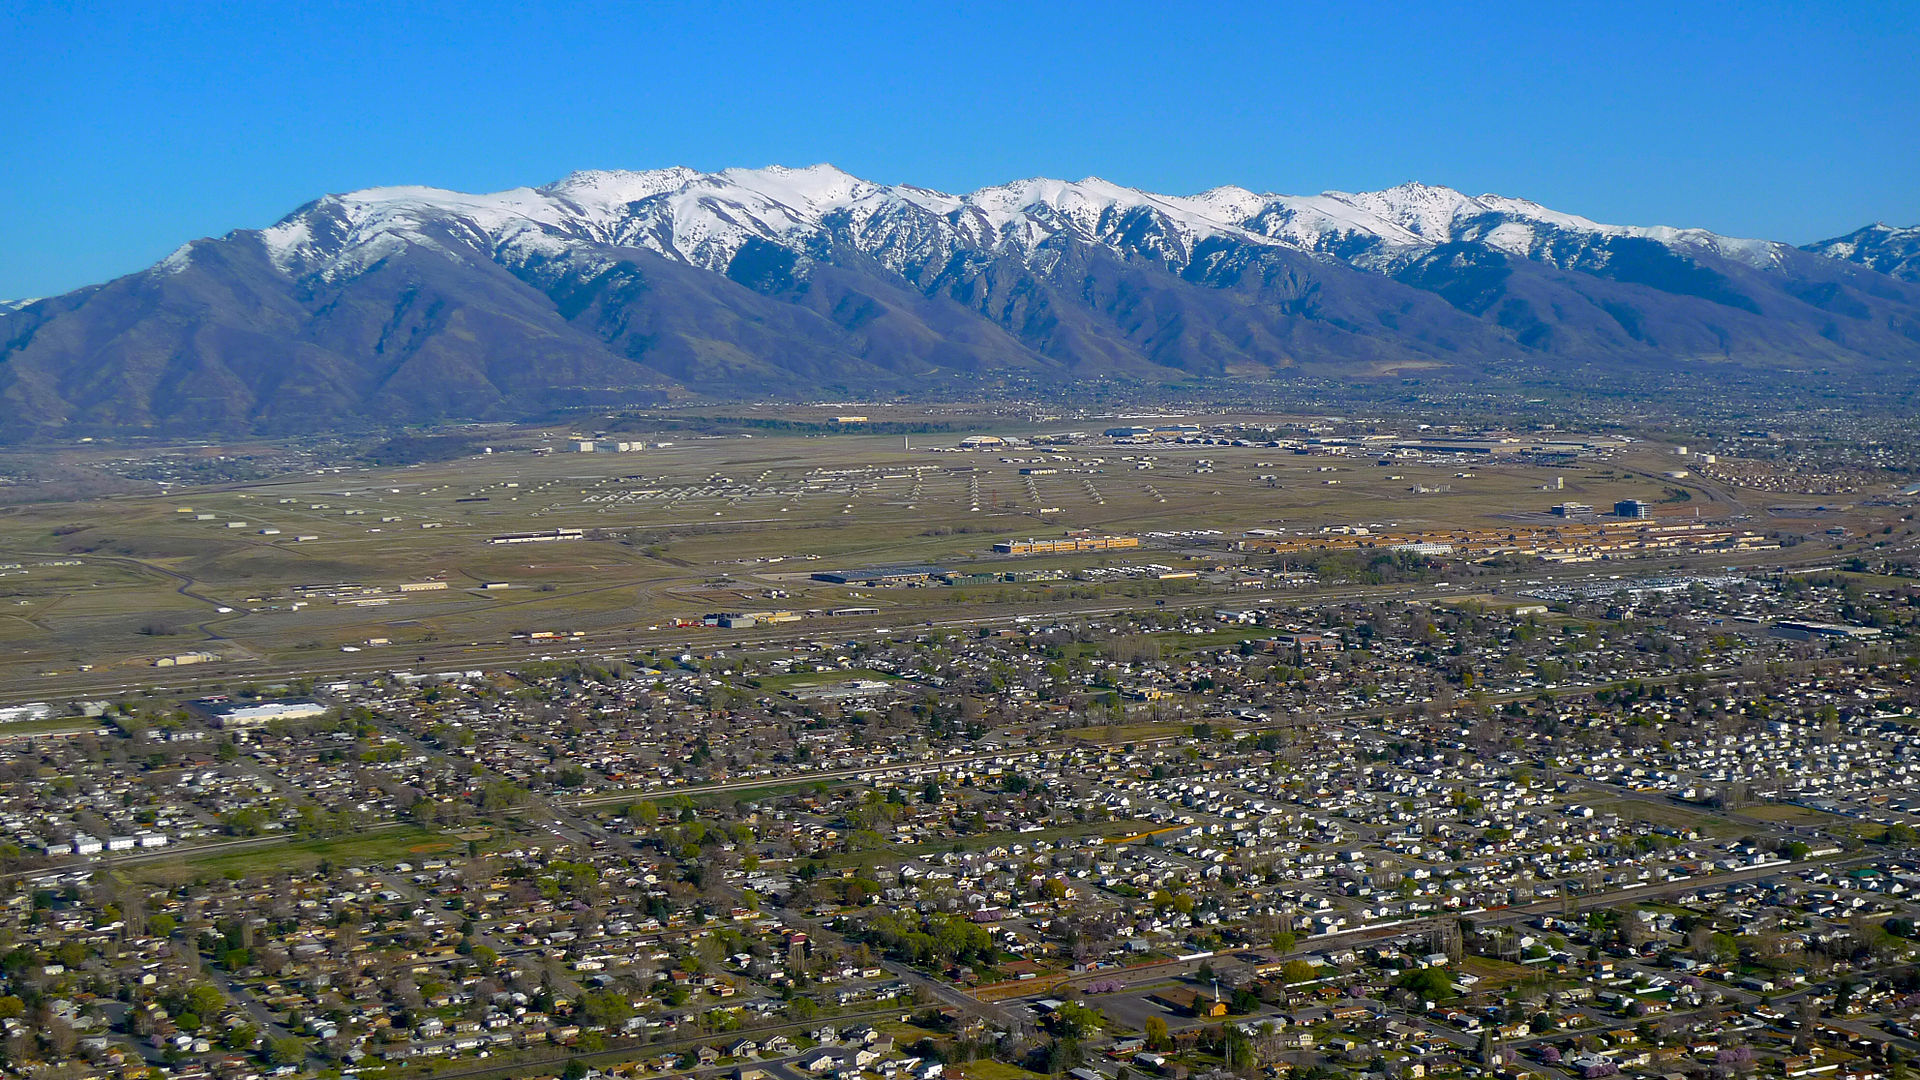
(263, 1017)
(1491, 917)
(587, 833)
(948, 993)
(638, 1050)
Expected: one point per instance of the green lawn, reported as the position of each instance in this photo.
(381, 846)
(993, 1070)
(55, 725)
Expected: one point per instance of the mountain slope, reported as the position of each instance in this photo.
(419, 305)
(1889, 250)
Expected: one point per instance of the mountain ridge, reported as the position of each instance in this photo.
(415, 304)
(603, 205)
(1889, 249)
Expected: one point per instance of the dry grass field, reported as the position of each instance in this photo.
(706, 524)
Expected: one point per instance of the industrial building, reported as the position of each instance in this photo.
(36, 710)
(740, 620)
(232, 717)
(539, 537)
(1800, 630)
(1304, 642)
(914, 574)
(1065, 545)
(1488, 447)
(185, 659)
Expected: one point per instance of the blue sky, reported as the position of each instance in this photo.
(133, 127)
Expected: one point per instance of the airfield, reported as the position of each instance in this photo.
(392, 566)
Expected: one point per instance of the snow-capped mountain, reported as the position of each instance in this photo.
(705, 219)
(1890, 250)
(421, 304)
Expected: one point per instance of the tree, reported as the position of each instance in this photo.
(604, 1008)
(286, 1051)
(1157, 1035)
(1076, 1021)
(206, 1000)
(1064, 1054)
(1430, 984)
(1843, 997)
(1237, 1049)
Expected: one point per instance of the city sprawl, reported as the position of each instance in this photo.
(915, 745)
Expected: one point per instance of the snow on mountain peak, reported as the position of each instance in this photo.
(816, 187)
(1888, 249)
(1025, 212)
(1439, 215)
(1425, 211)
(603, 189)
(1533, 211)
(1230, 204)
(1877, 234)
(705, 219)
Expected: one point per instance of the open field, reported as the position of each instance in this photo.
(1499, 974)
(292, 571)
(992, 1070)
(296, 854)
(58, 725)
(1669, 814)
(1789, 814)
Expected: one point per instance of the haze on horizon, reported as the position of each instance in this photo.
(136, 130)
